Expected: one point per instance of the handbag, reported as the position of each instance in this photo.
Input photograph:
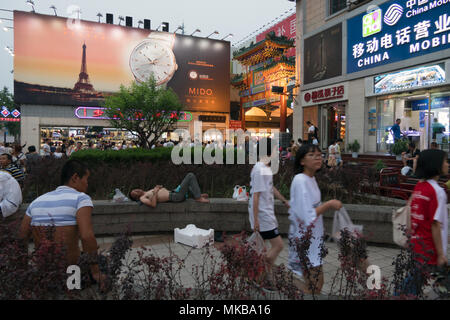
(342, 221)
(401, 224)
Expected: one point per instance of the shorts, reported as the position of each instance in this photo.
(267, 235)
(297, 269)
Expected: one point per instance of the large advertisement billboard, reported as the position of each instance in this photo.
(395, 31)
(59, 61)
(323, 55)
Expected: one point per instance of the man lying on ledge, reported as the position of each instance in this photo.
(161, 194)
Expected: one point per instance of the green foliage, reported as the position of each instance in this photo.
(355, 146)
(7, 99)
(144, 109)
(399, 147)
(379, 165)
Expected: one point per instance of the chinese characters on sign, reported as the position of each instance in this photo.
(410, 28)
(325, 95)
(9, 116)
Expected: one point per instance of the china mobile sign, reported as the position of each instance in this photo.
(328, 94)
(396, 30)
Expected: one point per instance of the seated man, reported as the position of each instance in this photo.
(10, 196)
(68, 210)
(7, 165)
(161, 194)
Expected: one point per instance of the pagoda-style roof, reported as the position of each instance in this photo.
(272, 46)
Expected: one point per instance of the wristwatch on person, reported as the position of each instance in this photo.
(154, 56)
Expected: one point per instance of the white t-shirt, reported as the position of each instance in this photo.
(311, 129)
(261, 180)
(305, 198)
(46, 149)
(441, 213)
(58, 155)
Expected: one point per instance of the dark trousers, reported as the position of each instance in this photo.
(190, 184)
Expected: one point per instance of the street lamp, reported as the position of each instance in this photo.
(99, 15)
(215, 32)
(196, 30)
(178, 28)
(54, 9)
(31, 3)
(121, 18)
(228, 35)
(159, 26)
(140, 22)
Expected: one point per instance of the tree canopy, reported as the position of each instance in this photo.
(145, 110)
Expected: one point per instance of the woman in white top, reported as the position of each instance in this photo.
(306, 210)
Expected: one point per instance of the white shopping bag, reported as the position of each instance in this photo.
(256, 242)
(119, 196)
(342, 221)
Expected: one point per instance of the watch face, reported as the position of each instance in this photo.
(151, 57)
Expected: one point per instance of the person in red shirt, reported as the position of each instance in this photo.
(429, 215)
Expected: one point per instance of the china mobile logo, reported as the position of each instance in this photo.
(393, 14)
(372, 23)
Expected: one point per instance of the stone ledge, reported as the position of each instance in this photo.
(227, 215)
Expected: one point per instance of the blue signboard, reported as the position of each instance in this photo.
(397, 30)
(436, 103)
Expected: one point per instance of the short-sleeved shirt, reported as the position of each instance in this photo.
(429, 203)
(15, 171)
(305, 198)
(414, 154)
(262, 181)
(58, 208)
(396, 131)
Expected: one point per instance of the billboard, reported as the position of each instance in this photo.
(323, 55)
(287, 27)
(396, 30)
(61, 62)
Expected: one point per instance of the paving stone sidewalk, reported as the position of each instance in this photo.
(163, 245)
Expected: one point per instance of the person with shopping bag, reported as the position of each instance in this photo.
(428, 220)
(306, 210)
(261, 207)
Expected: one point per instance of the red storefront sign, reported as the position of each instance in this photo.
(286, 27)
(235, 124)
(326, 94)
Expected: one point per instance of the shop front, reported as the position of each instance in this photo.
(420, 98)
(326, 108)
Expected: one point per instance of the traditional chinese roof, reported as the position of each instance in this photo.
(272, 46)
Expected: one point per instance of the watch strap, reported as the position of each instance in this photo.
(165, 38)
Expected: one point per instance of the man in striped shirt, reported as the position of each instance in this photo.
(7, 165)
(68, 209)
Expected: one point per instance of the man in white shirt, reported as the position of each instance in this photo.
(10, 196)
(46, 151)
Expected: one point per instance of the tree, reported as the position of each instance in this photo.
(7, 100)
(145, 110)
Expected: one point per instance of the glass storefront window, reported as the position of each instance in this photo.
(439, 116)
(385, 112)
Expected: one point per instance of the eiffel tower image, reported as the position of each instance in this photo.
(83, 84)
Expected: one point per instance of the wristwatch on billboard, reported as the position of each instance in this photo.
(154, 55)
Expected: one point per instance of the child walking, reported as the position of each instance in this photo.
(261, 206)
(306, 209)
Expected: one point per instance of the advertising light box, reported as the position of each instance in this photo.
(60, 61)
(397, 30)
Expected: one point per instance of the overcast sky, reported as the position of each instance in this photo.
(239, 17)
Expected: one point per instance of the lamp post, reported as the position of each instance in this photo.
(54, 10)
(215, 32)
(196, 30)
(31, 3)
(228, 35)
(99, 15)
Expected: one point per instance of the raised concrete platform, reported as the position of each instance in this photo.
(227, 215)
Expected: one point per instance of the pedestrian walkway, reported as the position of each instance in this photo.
(162, 246)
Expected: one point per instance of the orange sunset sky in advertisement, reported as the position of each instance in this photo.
(48, 51)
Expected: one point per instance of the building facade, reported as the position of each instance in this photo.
(364, 64)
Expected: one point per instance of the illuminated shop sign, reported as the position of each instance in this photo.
(396, 30)
(99, 114)
(409, 79)
(436, 103)
(325, 94)
(9, 116)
